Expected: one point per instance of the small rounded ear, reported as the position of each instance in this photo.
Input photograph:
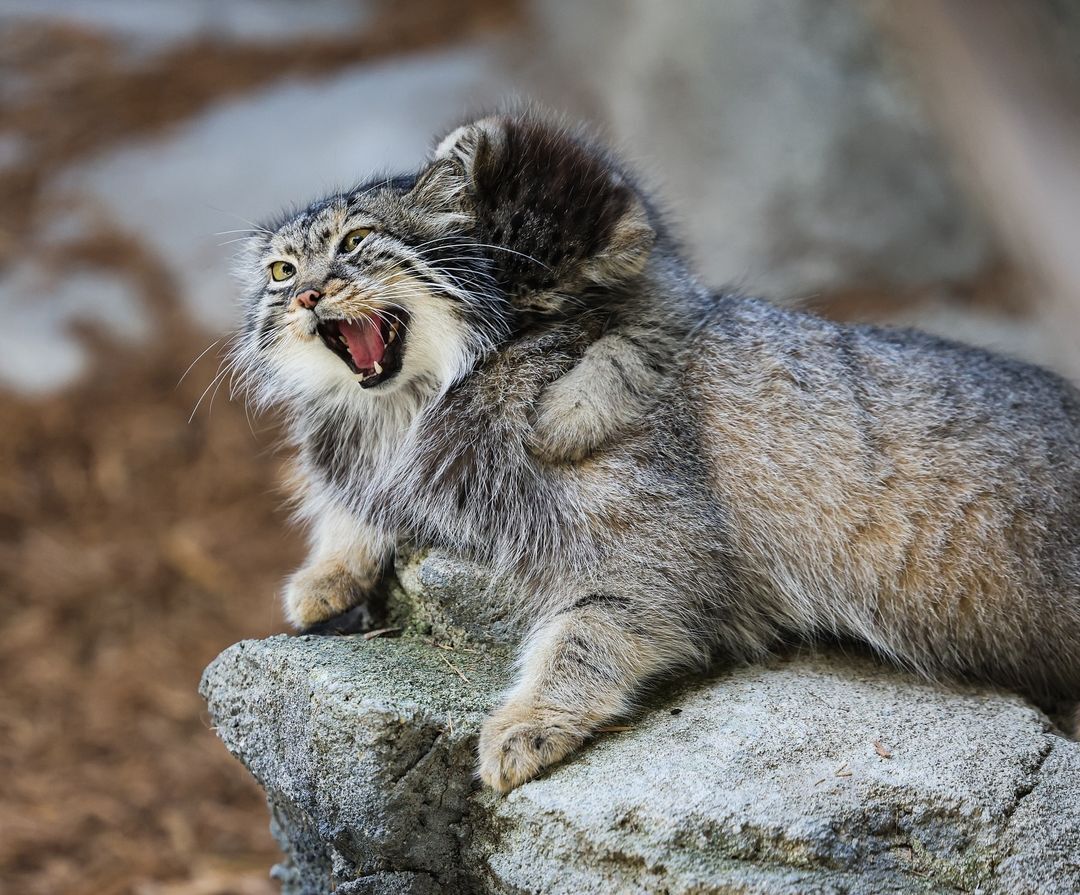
(474, 146)
(627, 247)
(458, 160)
(441, 187)
(621, 257)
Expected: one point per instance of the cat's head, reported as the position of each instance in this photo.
(413, 279)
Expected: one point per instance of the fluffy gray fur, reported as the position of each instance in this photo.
(669, 474)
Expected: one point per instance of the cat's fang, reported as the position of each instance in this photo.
(378, 368)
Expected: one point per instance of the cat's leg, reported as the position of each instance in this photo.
(610, 388)
(329, 593)
(580, 670)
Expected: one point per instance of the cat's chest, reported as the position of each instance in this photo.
(360, 459)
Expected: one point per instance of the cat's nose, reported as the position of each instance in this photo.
(308, 298)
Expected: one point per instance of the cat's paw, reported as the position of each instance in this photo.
(570, 423)
(517, 743)
(327, 599)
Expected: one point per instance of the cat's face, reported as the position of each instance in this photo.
(410, 280)
(371, 290)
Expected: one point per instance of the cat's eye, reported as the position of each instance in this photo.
(353, 238)
(281, 271)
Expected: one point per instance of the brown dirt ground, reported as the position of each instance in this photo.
(134, 547)
(134, 544)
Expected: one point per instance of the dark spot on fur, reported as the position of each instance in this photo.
(600, 600)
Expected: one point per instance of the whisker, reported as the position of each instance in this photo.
(197, 359)
(220, 373)
(210, 409)
(229, 242)
(240, 217)
(485, 245)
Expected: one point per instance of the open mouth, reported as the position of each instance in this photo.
(371, 346)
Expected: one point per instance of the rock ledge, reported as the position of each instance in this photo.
(757, 780)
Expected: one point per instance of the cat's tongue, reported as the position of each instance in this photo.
(365, 341)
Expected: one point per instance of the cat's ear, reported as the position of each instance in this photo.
(458, 161)
(474, 146)
(629, 242)
(620, 256)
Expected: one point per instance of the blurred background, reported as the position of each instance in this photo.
(909, 162)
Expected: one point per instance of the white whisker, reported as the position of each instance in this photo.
(197, 359)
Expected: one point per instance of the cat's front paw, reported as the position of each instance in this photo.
(328, 599)
(569, 425)
(518, 742)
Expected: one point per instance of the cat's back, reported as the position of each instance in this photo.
(752, 357)
(888, 464)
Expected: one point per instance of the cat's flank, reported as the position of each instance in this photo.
(504, 354)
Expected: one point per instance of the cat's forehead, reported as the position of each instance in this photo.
(321, 222)
(311, 229)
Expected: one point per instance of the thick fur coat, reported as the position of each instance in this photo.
(505, 355)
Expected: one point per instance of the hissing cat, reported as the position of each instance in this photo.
(505, 355)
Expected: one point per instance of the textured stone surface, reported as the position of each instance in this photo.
(364, 748)
(452, 601)
(763, 779)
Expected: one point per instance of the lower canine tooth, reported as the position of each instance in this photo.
(378, 369)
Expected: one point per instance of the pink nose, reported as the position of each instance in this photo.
(308, 298)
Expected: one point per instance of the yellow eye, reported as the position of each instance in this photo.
(281, 270)
(353, 238)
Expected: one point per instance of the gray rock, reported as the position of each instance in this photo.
(453, 601)
(392, 883)
(761, 780)
(364, 749)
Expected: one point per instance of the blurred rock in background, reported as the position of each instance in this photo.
(903, 163)
(791, 152)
